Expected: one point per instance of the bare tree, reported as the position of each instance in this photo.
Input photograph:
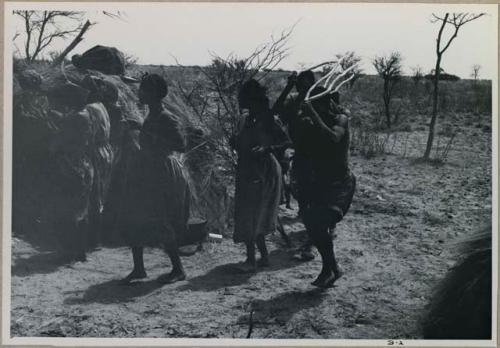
(389, 69)
(43, 27)
(349, 59)
(455, 21)
(130, 60)
(214, 99)
(475, 71)
(262, 60)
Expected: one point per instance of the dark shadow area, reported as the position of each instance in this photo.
(42, 263)
(114, 291)
(46, 257)
(227, 275)
(219, 277)
(39, 238)
(282, 307)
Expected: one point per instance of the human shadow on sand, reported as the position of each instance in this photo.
(114, 291)
(282, 307)
(42, 263)
(227, 275)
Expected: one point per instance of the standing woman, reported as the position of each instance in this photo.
(157, 208)
(258, 174)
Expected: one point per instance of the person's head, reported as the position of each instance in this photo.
(324, 104)
(101, 90)
(252, 95)
(153, 89)
(328, 103)
(305, 80)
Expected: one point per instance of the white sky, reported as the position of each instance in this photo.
(189, 31)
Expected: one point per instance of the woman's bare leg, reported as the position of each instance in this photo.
(138, 272)
(177, 273)
(264, 254)
(250, 265)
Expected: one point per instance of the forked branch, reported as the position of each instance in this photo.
(332, 81)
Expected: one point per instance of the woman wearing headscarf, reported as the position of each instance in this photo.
(158, 195)
(124, 140)
(258, 174)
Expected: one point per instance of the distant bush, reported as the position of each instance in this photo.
(369, 143)
(406, 127)
(443, 77)
(456, 96)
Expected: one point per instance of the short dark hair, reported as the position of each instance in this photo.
(306, 75)
(252, 90)
(155, 85)
(322, 101)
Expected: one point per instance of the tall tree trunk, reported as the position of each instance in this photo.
(72, 45)
(432, 126)
(28, 35)
(387, 101)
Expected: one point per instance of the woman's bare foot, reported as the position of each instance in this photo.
(326, 282)
(172, 277)
(323, 275)
(326, 279)
(338, 273)
(263, 262)
(135, 274)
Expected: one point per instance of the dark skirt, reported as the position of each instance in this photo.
(325, 204)
(257, 197)
(156, 210)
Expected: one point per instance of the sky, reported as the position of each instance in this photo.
(162, 33)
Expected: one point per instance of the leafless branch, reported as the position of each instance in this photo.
(42, 28)
(214, 99)
(73, 44)
(120, 15)
(475, 71)
(456, 20)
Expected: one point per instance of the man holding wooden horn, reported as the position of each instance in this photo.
(321, 135)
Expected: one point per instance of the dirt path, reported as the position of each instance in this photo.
(393, 246)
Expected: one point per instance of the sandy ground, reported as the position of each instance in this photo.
(394, 245)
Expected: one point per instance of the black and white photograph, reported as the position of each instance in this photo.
(264, 173)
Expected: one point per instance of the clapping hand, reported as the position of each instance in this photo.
(308, 105)
(258, 150)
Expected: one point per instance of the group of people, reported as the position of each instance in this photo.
(317, 131)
